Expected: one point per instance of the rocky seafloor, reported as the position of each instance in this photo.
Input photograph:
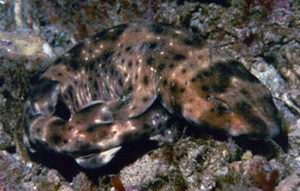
(264, 35)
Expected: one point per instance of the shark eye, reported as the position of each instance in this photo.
(220, 106)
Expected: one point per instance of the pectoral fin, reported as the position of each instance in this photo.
(97, 160)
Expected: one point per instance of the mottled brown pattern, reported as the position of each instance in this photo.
(114, 87)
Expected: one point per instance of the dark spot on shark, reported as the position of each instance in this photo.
(106, 56)
(150, 61)
(179, 57)
(129, 63)
(145, 99)
(193, 80)
(174, 87)
(161, 66)
(181, 90)
(149, 46)
(165, 82)
(146, 80)
(128, 48)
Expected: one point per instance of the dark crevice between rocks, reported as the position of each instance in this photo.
(11, 149)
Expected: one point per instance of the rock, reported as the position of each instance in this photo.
(6, 141)
(260, 172)
(191, 165)
(268, 75)
(290, 183)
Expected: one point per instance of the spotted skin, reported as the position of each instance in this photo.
(123, 83)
